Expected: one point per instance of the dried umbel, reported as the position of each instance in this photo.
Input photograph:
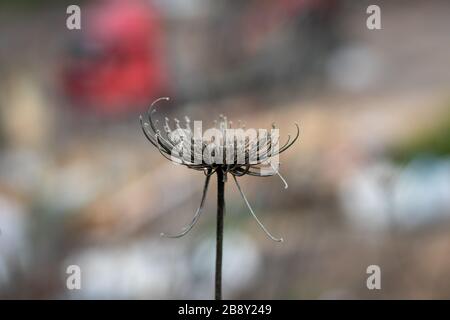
(223, 150)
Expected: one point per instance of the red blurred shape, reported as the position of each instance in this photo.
(119, 62)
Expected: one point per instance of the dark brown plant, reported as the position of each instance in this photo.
(183, 146)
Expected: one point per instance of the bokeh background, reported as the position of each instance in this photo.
(369, 181)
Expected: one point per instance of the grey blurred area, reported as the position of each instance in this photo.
(369, 180)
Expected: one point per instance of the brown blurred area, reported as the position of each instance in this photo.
(369, 181)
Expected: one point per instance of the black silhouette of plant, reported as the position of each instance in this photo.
(234, 156)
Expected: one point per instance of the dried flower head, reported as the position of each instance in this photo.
(223, 149)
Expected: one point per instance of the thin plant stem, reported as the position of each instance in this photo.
(219, 235)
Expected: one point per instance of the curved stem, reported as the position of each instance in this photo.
(188, 228)
(219, 235)
(254, 215)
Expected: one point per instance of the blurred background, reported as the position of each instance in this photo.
(369, 181)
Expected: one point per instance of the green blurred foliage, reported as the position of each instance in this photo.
(434, 141)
